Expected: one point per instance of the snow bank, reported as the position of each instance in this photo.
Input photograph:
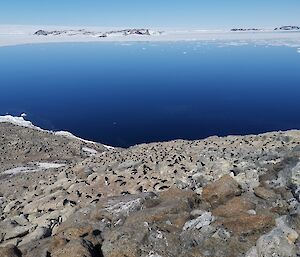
(71, 136)
(19, 121)
(109, 147)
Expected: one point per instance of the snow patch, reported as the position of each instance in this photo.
(89, 150)
(49, 165)
(109, 147)
(35, 167)
(71, 136)
(19, 170)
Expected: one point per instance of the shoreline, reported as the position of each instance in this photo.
(21, 122)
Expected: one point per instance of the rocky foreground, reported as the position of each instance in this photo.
(219, 197)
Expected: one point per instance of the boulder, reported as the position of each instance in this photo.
(264, 193)
(278, 243)
(74, 248)
(221, 191)
(234, 207)
(246, 224)
(10, 251)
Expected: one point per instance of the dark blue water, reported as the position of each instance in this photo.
(127, 94)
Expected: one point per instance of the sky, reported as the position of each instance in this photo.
(152, 13)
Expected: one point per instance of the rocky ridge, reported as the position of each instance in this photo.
(282, 28)
(288, 28)
(245, 29)
(231, 196)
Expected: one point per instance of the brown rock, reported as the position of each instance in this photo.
(58, 242)
(177, 194)
(249, 224)
(154, 228)
(74, 232)
(125, 241)
(233, 207)
(10, 251)
(195, 252)
(264, 193)
(74, 248)
(122, 253)
(221, 191)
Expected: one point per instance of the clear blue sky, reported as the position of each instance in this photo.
(152, 13)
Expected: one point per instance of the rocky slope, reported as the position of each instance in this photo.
(227, 197)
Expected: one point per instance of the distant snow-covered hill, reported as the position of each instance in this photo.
(289, 28)
(83, 32)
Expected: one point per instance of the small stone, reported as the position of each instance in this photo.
(204, 220)
(264, 193)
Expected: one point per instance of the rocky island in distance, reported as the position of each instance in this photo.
(283, 28)
(139, 32)
(83, 32)
(61, 196)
